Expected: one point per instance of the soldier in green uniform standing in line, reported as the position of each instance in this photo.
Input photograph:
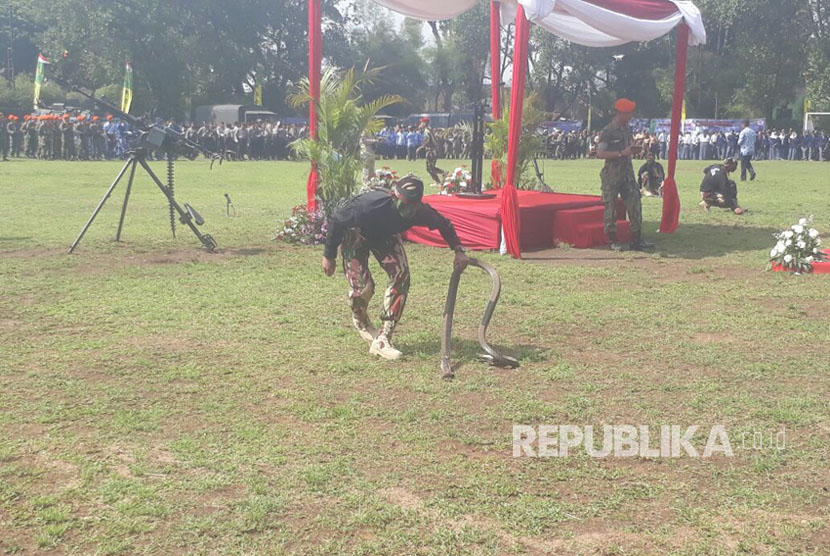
(67, 129)
(44, 138)
(56, 137)
(615, 147)
(30, 130)
(5, 141)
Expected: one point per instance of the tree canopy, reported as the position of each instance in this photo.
(763, 58)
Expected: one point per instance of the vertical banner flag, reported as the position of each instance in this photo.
(258, 93)
(41, 66)
(127, 91)
(683, 117)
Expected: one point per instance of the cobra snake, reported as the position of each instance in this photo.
(491, 356)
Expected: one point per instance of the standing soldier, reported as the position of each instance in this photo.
(15, 136)
(31, 136)
(615, 147)
(55, 128)
(84, 136)
(4, 137)
(96, 139)
(430, 152)
(43, 137)
(67, 129)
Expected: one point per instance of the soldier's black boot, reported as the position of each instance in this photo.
(612, 243)
(637, 244)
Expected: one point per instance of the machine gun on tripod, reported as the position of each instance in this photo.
(154, 139)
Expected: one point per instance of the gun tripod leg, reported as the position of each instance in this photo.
(206, 239)
(126, 200)
(101, 203)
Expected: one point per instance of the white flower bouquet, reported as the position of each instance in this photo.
(457, 181)
(382, 178)
(386, 177)
(797, 248)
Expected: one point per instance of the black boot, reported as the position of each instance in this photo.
(612, 243)
(637, 244)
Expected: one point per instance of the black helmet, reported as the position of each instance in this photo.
(409, 189)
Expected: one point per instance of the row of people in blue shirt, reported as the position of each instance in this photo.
(399, 142)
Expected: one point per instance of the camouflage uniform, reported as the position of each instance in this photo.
(4, 139)
(67, 129)
(618, 180)
(44, 140)
(436, 173)
(392, 258)
(31, 139)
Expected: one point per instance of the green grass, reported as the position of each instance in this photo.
(158, 399)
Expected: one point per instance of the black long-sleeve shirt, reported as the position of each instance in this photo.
(715, 179)
(377, 217)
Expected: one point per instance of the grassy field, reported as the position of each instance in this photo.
(157, 399)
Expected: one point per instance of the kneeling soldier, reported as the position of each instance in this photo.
(717, 190)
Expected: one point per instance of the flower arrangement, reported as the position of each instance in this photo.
(304, 227)
(383, 178)
(797, 247)
(457, 181)
(386, 177)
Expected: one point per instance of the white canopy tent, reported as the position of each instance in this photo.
(594, 23)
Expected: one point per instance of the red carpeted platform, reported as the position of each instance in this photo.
(585, 227)
(478, 221)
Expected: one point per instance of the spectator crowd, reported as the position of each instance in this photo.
(90, 137)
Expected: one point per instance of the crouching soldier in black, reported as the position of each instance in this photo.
(717, 190)
(651, 176)
(373, 222)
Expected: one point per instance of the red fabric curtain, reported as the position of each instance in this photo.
(509, 202)
(671, 200)
(315, 50)
(495, 79)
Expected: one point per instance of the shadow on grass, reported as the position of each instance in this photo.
(466, 351)
(698, 241)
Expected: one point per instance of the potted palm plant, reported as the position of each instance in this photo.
(343, 117)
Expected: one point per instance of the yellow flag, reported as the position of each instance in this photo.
(127, 91)
(258, 94)
(807, 105)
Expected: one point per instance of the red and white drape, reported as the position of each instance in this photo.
(586, 22)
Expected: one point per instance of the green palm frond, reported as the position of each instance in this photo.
(342, 119)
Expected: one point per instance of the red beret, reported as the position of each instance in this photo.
(625, 105)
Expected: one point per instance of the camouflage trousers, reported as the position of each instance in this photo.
(723, 200)
(629, 190)
(436, 173)
(392, 258)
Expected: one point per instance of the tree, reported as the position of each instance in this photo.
(817, 71)
(379, 45)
